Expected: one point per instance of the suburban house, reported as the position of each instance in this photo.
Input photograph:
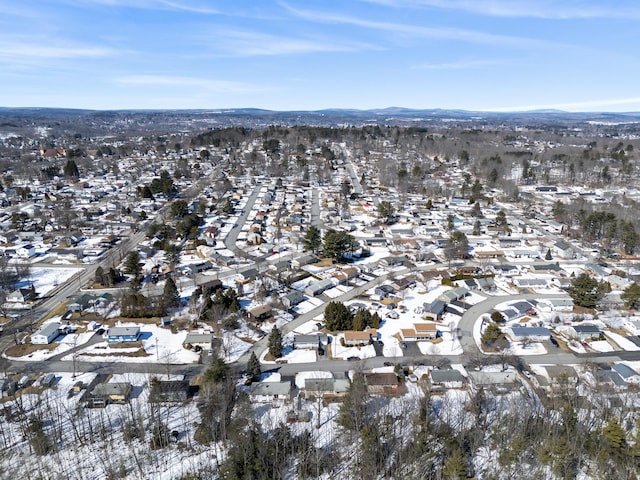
(7, 387)
(445, 379)
(9, 237)
(325, 388)
(86, 301)
(535, 334)
(260, 313)
(169, 391)
(316, 288)
(46, 334)
(271, 392)
(419, 332)
(123, 334)
(292, 299)
(26, 251)
(584, 331)
(247, 275)
(632, 326)
(499, 382)
(21, 295)
(457, 293)
(319, 340)
(610, 379)
(384, 291)
(355, 337)
(625, 371)
(105, 393)
(533, 283)
(564, 304)
(202, 341)
(434, 310)
(303, 260)
(562, 249)
(211, 286)
(392, 261)
(382, 383)
(561, 376)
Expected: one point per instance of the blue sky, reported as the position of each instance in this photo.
(575, 55)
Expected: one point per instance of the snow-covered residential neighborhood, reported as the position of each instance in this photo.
(165, 299)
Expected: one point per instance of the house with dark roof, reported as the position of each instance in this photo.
(382, 383)
(169, 391)
(319, 340)
(584, 331)
(271, 392)
(316, 288)
(106, 393)
(536, 334)
(445, 379)
(434, 310)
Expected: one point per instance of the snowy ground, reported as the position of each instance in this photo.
(621, 341)
(338, 351)
(159, 344)
(84, 454)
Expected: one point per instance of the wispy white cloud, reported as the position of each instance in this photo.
(460, 65)
(250, 43)
(13, 49)
(193, 7)
(219, 86)
(414, 31)
(632, 103)
(549, 9)
(190, 8)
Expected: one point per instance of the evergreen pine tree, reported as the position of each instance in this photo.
(614, 435)
(454, 466)
(275, 343)
(253, 366)
(170, 295)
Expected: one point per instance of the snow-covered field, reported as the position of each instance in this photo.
(160, 345)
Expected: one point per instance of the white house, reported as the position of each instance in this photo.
(46, 334)
(26, 251)
(633, 326)
(564, 304)
(584, 331)
(562, 249)
(267, 392)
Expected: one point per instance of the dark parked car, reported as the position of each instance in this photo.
(554, 342)
(351, 359)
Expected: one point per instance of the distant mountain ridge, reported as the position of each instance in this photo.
(67, 119)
